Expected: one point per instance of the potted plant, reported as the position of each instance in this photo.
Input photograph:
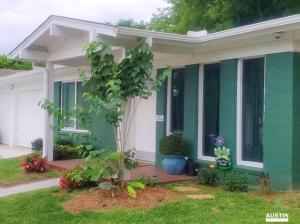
(172, 147)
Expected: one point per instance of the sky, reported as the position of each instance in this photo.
(20, 17)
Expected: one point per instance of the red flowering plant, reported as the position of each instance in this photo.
(77, 178)
(67, 183)
(34, 162)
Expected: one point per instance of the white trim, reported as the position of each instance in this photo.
(168, 118)
(201, 115)
(239, 123)
(74, 128)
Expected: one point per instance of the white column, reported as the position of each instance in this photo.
(48, 94)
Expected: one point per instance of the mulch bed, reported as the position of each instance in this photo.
(100, 200)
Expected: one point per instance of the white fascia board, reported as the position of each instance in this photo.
(154, 34)
(281, 23)
(25, 74)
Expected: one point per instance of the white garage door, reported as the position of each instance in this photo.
(29, 117)
(5, 117)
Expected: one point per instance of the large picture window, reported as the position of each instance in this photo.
(71, 95)
(252, 110)
(211, 103)
(177, 100)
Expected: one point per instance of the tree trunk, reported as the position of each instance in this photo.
(120, 149)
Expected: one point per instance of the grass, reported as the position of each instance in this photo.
(12, 174)
(45, 206)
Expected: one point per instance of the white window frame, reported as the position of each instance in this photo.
(239, 128)
(70, 129)
(201, 155)
(169, 94)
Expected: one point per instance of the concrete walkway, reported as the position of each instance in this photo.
(28, 187)
(11, 152)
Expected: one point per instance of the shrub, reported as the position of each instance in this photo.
(64, 141)
(236, 181)
(208, 176)
(63, 152)
(34, 162)
(172, 145)
(37, 144)
(264, 182)
(147, 180)
(79, 177)
(86, 149)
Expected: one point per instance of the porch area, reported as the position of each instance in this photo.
(143, 168)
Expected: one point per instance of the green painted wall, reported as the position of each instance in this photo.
(190, 120)
(228, 91)
(278, 124)
(103, 136)
(296, 123)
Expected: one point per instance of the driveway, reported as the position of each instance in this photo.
(11, 152)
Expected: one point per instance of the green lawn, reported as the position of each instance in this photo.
(45, 207)
(11, 173)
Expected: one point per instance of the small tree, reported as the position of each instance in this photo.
(113, 86)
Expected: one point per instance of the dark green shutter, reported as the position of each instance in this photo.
(57, 100)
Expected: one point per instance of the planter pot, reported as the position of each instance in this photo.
(173, 164)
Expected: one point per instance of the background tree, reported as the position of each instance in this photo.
(215, 15)
(6, 63)
(132, 24)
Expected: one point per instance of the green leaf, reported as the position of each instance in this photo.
(131, 191)
(136, 185)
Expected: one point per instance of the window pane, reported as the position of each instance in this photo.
(211, 102)
(68, 103)
(253, 105)
(177, 98)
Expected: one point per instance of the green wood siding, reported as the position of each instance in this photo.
(191, 84)
(296, 123)
(278, 126)
(103, 132)
(228, 91)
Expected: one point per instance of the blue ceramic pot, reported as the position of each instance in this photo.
(173, 164)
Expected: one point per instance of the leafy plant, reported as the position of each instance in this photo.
(37, 144)
(264, 182)
(208, 176)
(236, 181)
(63, 152)
(64, 141)
(147, 180)
(86, 149)
(132, 188)
(172, 145)
(34, 162)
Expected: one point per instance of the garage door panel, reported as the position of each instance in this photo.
(5, 117)
(29, 117)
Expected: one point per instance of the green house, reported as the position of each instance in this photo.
(242, 84)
